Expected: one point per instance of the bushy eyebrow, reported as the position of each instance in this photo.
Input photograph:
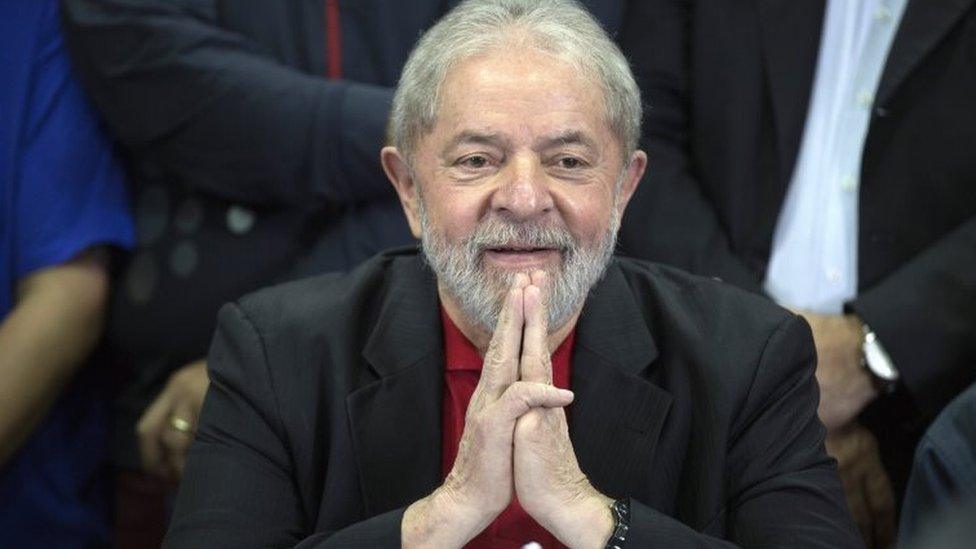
(561, 139)
(571, 137)
(475, 138)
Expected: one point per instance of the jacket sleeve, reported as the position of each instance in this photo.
(238, 489)
(924, 315)
(669, 219)
(212, 108)
(944, 470)
(783, 489)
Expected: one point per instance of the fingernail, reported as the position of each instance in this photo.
(566, 393)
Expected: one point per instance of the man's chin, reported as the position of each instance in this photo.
(502, 278)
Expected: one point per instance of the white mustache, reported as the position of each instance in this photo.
(499, 234)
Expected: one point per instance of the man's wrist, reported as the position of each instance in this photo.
(601, 525)
(442, 519)
(586, 525)
(604, 523)
(876, 361)
(864, 379)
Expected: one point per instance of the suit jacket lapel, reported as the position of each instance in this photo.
(396, 419)
(617, 416)
(790, 31)
(924, 23)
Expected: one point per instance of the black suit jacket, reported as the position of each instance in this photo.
(727, 85)
(323, 421)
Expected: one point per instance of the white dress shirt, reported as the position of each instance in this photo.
(813, 265)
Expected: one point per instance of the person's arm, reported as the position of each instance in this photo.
(210, 107)
(669, 219)
(238, 488)
(944, 468)
(783, 488)
(924, 315)
(69, 203)
(56, 321)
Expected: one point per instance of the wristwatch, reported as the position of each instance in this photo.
(621, 523)
(878, 363)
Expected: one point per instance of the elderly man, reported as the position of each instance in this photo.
(428, 404)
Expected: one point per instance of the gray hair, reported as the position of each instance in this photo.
(559, 27)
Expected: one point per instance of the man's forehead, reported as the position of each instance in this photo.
(481, 94)
(525, 75)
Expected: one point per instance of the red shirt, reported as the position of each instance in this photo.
(514, 527)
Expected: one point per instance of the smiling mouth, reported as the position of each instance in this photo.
(522, 257)
(519, 250)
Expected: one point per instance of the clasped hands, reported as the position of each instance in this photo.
(515, 443)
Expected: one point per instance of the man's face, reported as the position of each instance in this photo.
(520, 173)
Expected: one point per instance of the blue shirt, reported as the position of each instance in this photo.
(62, 190)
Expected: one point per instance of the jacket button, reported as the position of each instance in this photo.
(183, 259)
(240, 220)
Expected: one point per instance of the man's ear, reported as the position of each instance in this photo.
(632, 177)
(399, 173)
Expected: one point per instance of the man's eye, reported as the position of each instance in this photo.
(570, 163)
(475, 161)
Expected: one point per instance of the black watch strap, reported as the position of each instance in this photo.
(621, 523)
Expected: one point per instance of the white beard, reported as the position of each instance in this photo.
(479, 290)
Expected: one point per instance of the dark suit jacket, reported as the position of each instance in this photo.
(944, 473)
(323, 421)
(727, 85)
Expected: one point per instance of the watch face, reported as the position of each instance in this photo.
(877, 359)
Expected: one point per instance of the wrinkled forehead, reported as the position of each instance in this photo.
(525, 91)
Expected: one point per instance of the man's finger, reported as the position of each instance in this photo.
(522, 396)
(178, 442)
(149, 430)
(501, 360)
(860, 510)
(881, 500)
(174, 444)
(535, 362)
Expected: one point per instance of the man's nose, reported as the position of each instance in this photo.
(524, 190)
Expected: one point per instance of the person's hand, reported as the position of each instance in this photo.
(479, 486)
(548, 481)
(845, 386)
(167, 427)
(868, 489)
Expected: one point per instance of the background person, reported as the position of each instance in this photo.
(63, 205)
(943, 480)
(821, 153)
